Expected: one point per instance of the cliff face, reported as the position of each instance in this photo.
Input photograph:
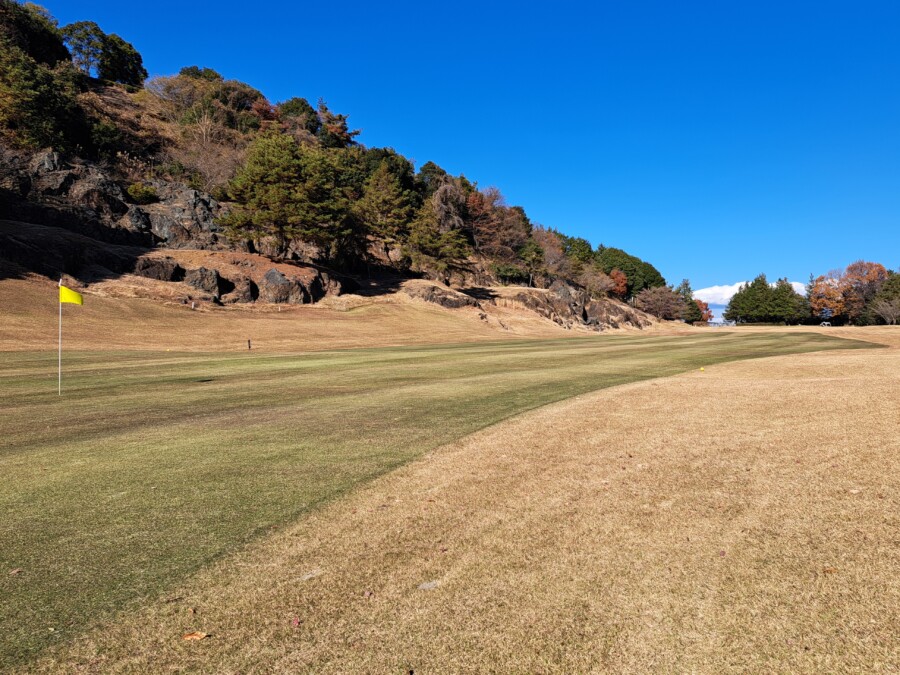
(72, 217)
(83, 197)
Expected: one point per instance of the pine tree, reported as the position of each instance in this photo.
(429, 246)
(385, 207)
(265, 189)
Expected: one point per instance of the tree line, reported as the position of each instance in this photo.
(864, 293)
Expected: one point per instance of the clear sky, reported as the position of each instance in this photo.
(715, 139)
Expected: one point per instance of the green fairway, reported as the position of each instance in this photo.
(153, 464)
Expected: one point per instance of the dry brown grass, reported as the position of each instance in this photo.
(125, 317)
(740, 519)
(131, 312)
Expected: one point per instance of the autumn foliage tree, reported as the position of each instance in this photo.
(660, 301)
(620, 283)
(860, 283)
(847, 295)
(706, 313)
(498, 231)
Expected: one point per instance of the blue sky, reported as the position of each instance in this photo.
(715, 139)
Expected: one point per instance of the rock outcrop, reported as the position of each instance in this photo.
(299, 288)
(570, 306)
(81, 196)
(445, 297)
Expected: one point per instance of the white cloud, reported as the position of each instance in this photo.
(799, 287)
(720, 295)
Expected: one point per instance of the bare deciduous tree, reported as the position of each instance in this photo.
(449, 202)
(662, 302)
(889, 310)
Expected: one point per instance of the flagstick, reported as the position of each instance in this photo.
(60, 343)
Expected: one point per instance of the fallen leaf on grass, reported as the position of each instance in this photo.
(311, 575)
(196, 635)
(829, 570)
(16, 571)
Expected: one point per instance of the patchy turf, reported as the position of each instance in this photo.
(154, 464)
(743, 519)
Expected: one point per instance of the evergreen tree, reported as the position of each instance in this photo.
(198, 73)
(690, 311)
(300, 110)
(533, 256)
(33, 30)
(120, 62)
(429, 246)
(429, 179)
(640, 274)
(579, 251)
(287, 192)
(85, 41)
(265, 189)
(786, 304)
(334, 131)
(385, 206)
(38, 88)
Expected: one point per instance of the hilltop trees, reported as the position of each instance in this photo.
(639, 274)
(38, 84)
(121, 62)
(109, 57)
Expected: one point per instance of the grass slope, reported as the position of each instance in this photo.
(154, 464)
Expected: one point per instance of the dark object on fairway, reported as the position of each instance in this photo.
(209, 379)
(248, 344)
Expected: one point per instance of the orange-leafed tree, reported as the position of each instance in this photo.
(705, 312)
(860, 283)
(826, 295)
(620, 283)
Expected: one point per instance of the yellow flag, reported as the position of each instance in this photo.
(68, 295)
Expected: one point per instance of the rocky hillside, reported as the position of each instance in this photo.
(105, 174)
(71, 217)
(81, 196)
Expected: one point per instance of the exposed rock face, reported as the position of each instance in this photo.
(203, 279)
(296, 289)
(569, 306)
(162, 269)
(245, 290)
(82, 197)
(184, 217)
(444, 297)
(51, 251)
